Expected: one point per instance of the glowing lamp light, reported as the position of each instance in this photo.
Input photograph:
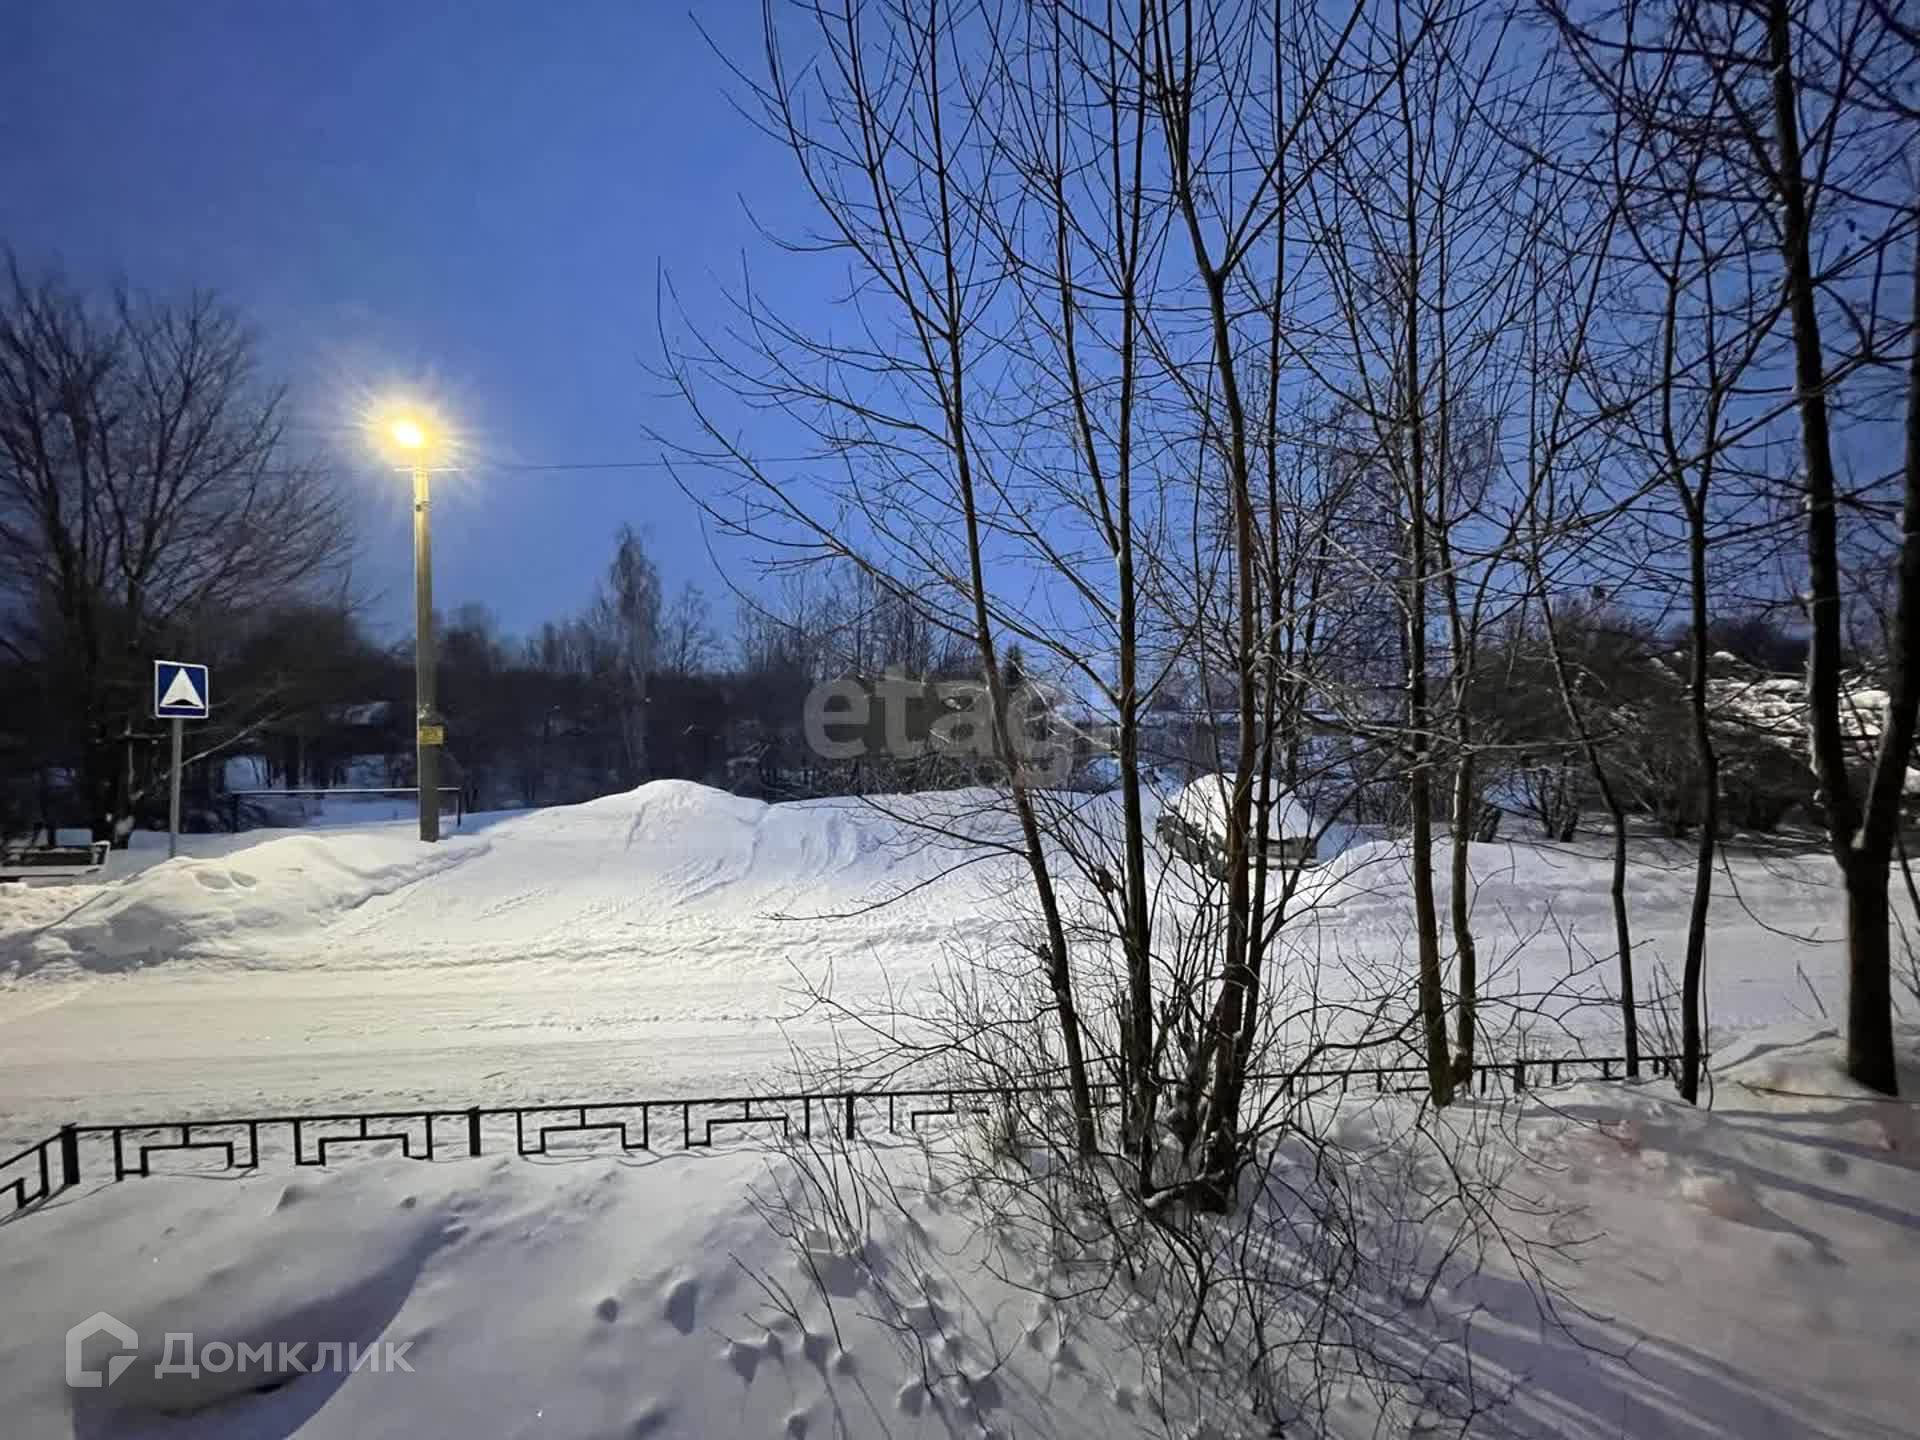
(408, 433)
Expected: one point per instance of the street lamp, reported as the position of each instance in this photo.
(414, 436)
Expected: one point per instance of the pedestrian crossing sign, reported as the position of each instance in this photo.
(180, 691)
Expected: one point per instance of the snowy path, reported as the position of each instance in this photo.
(264, 1042)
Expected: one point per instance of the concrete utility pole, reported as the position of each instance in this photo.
(428, 734)
(415, 435)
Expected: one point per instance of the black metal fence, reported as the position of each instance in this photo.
(237, 800)
(245, 1143)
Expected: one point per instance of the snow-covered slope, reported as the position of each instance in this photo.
(657, 942)
(657, 871)
(644, 943)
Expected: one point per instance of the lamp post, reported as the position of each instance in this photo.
(413, 436)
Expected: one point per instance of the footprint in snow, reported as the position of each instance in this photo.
(651, 1420)
(683, 1303)
(743, 1359)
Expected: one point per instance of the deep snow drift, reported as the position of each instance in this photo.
(654, 943)
(1744, 1272)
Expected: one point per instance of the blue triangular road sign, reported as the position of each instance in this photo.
(180, 691)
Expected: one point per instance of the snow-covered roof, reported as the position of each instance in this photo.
(1208, 801)
(1775, 707)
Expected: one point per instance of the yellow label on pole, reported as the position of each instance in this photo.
(433, 734)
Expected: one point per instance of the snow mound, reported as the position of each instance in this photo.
(659, 941)
(599, 875)
(231, 1276)
(285, 886)
(1786, 1067)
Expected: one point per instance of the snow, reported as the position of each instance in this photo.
(584, 1298)
(1742, 1270)
(1753, 1263)
(1745, 1271)
(1774, 707)
(658, 943)
(644, 943)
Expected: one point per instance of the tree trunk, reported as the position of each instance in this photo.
(1238, 973)
(1059, 972)
(1238, 978)
(1433, 1002)
(1693, 971)
(1622, 934)
(101, 768)
(1622, 931)
(1869, 975)
(1137, 1026)
(1863, 858)
(1466, 958)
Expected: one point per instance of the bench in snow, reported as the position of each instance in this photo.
(52, 862)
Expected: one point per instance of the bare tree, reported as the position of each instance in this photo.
(1791, 117)
(890, 159)
(627, 615)
(1430, 219)
(1863, 828)
(688, 641)
(145, 492)
(1710, 321)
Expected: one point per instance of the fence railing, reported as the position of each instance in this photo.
(127, 1150)
(235, 797)
(28, 1177)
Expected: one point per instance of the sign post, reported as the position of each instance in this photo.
(180, 694)
(173, 788)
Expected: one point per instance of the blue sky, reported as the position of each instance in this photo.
(470, 197)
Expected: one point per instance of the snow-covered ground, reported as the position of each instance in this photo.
(632, 945)
(1748, 1272)
(653, 943)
